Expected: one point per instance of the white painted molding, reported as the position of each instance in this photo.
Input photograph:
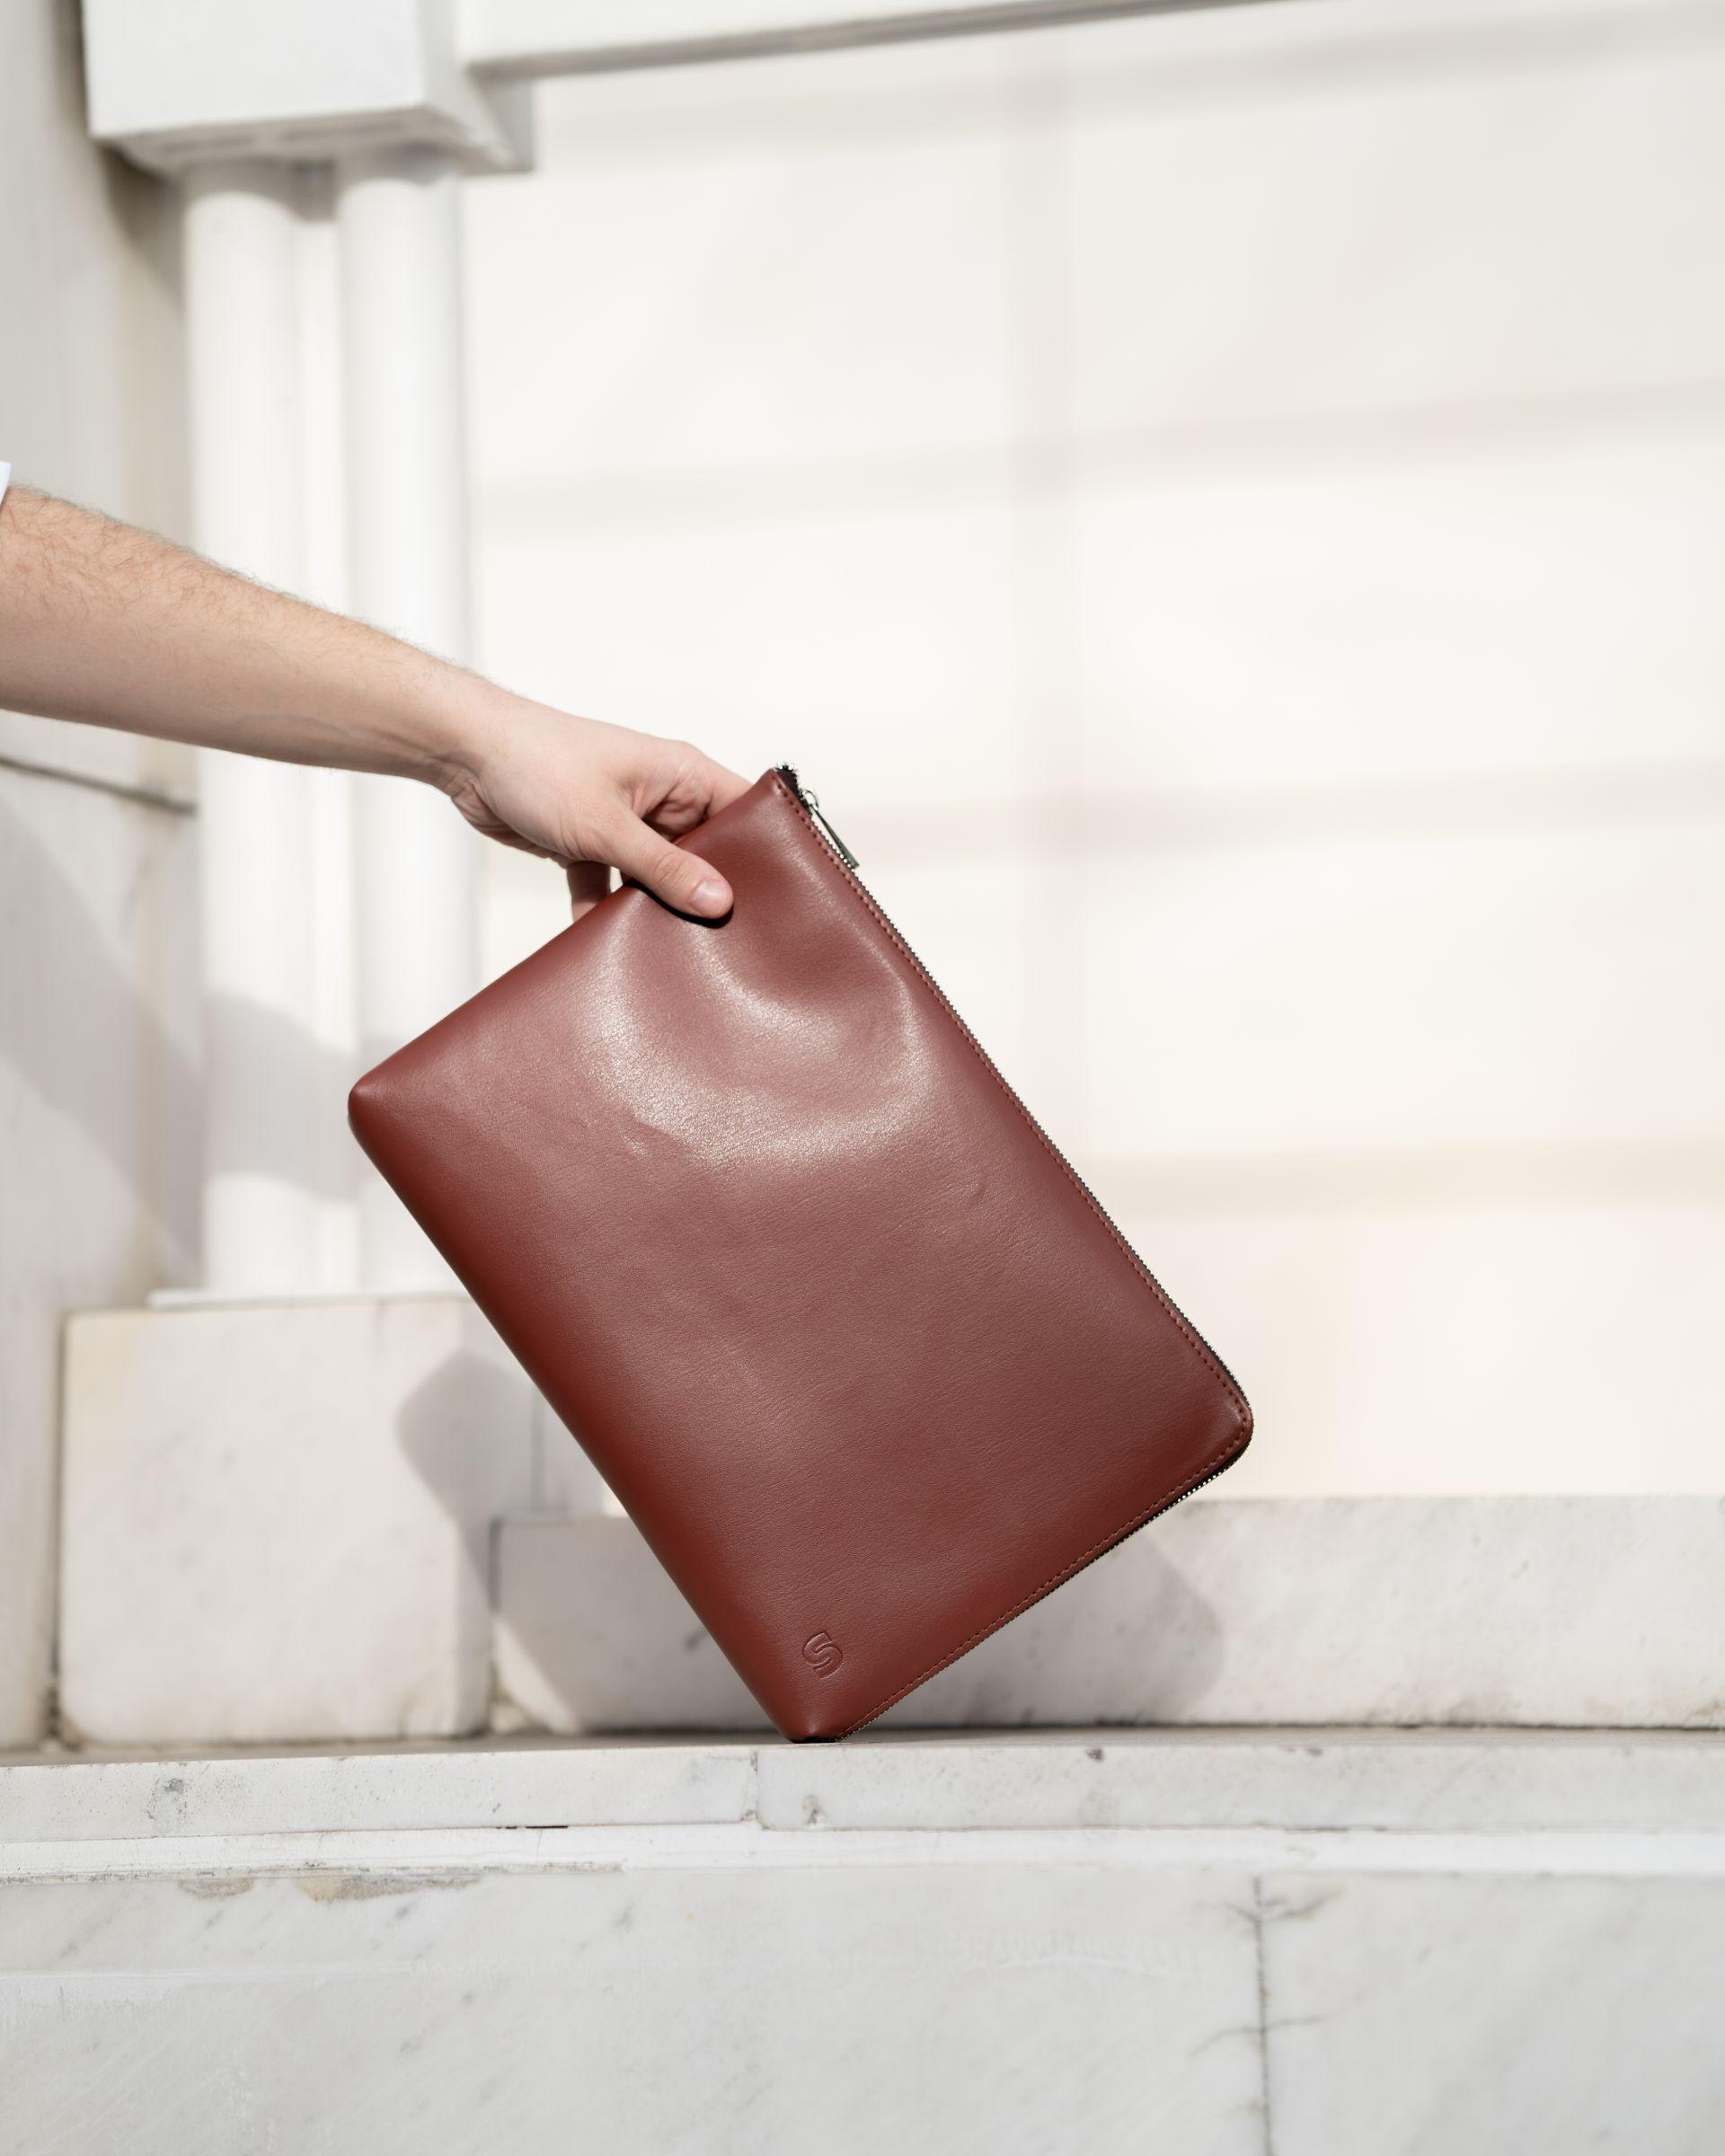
(530, 39)
(172, 83)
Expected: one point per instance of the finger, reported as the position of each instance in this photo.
(724, 785)
(703, 789)
(588, 882)
(681, 879)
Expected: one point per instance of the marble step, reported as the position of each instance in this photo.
(1322, 1942)
(80, 1810)
(276, 1517)
(310, 1522)
(1570, 1611)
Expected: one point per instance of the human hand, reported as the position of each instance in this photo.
(116, 627)
(592, 798)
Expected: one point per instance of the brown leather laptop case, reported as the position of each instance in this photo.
(863, 1358)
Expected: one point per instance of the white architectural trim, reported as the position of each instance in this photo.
(175, 82)
(523, 39)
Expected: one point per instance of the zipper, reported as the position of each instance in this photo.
(810, 806)
(811, 800)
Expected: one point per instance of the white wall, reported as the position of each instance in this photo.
(1229, 511)
(98, 1080)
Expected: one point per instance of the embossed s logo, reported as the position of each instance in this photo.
(823, 1653)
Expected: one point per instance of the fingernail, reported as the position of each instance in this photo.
(710, 897)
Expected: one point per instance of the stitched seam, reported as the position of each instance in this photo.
(1221, 1460)
(1141, 1272)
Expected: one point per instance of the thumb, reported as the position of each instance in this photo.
(682, 880)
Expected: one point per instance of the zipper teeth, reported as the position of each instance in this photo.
(794, 785)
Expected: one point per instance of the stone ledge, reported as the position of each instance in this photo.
(277, 1519)
(1416, 1782)
(1547, 1611)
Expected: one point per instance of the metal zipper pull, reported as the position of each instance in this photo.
(811, 803)
(820, 814)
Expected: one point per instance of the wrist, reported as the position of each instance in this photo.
(463, 721)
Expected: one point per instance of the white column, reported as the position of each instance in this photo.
(397, 213)
(260, 1046)
(330, 873)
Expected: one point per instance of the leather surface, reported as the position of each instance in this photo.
(858, 1353)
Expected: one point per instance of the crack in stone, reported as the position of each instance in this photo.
(1259, 1914)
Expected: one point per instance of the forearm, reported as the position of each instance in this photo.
(115, 627)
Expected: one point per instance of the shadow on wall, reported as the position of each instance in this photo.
(465, 1431)
(62, 1040)
(75, 1027)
